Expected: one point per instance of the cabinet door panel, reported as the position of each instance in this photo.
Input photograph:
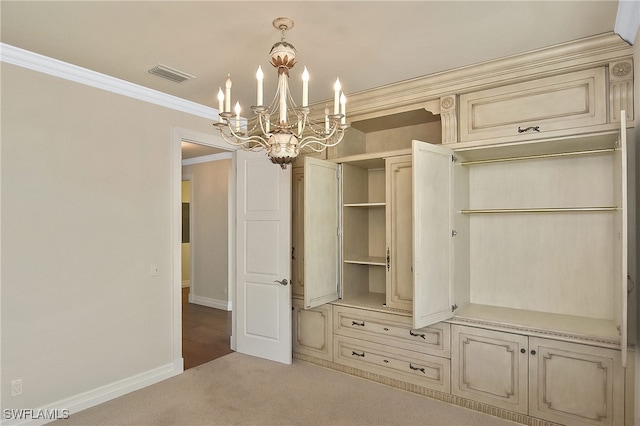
(621, 254)
(575, 384)
(558, 104)
(321, 245)
(490, 367)
(432, 242)
(399, 233)
(297, 232)
(312, 330)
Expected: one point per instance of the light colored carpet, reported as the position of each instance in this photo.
(239, 389)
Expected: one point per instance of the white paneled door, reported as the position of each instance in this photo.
(263, 290)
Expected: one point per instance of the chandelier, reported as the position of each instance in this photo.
(282, 129)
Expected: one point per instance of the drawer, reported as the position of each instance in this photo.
(407, 366)
(391, 329)
(547, 107)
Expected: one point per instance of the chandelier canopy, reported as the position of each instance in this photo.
(282, 128)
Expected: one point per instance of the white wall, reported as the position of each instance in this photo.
(86, 210)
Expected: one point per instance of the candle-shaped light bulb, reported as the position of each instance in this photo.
(336, 98)
(237, 109)
(305, 87)
(220, 103)
(260, 78)
(227, 94)
(326, 119)
(343, 108)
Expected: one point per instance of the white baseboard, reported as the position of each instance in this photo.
(212, 303)
(186, 283)
(102, 394)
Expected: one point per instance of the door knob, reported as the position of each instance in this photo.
(282, 281)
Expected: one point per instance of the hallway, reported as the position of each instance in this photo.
(206, 332)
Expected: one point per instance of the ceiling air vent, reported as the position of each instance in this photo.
(170, 73)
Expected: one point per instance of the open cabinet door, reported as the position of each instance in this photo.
(263, 293)
(433, 203)
(622, 226)
(321, 239)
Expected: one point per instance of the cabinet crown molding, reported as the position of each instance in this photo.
(411, 94)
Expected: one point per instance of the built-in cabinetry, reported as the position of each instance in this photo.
(558, 381)
(487, 268)
(312, 330)
(386, 344)
(536, 108)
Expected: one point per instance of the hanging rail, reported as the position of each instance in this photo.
(532, 157)
(542, 210)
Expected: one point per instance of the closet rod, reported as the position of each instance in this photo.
(542, 210)
(533, 157)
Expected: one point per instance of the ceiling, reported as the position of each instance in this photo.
(366, 44)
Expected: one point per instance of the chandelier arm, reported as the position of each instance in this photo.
(236, 139)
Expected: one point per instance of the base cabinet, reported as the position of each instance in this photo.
(490, 367)
(562, 382)
(575, 384)
(312, 330)
(389, 361)
(386, 344)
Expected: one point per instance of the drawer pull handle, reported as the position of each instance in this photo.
(535, 128)
(358, 323)
(386, 329)
(386, 361)
(354, 353)
(417, 334)
(421, 369)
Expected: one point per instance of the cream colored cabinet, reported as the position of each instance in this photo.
(392, 329)
(490, 367)
(399, 231)
(312, 330)
(568, 103)
(561, 382)
(385, 344)
(575, 384)
(297, 232)
(530, 236)
(362, 230)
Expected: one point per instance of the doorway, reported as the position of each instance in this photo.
(205, 290)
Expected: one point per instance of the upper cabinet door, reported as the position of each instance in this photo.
(622, 228)
(321, 243)
(433, 203)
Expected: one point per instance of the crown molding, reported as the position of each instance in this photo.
(46, 65)
(421, 91)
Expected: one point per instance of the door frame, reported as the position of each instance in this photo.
(186, 135)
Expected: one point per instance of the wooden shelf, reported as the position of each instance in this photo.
(563, 327)
(365, 205)
(368, 260)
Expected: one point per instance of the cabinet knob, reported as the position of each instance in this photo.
(523, 350)
(533, 352)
